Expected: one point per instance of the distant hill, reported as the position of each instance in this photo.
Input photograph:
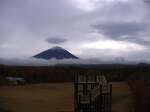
(56, 52)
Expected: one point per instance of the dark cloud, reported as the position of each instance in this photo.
(147, 1)
(124, 31)
(138, 40)
(56, 40)
(118, 29)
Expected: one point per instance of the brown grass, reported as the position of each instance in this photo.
(38, 98)
(56, 97)
(122, 97)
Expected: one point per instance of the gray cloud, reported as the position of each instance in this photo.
(118, 29)
(56, 40)
(53, 62)
(137, 40)
(147, 1)
(24, 22)
(124, 31)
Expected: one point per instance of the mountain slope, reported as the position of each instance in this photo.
(56, 52)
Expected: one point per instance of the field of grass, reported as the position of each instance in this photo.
(56, 97)
(122, 99)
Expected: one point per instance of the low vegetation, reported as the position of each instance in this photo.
(55, 97)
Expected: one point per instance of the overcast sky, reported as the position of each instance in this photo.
(86, 28)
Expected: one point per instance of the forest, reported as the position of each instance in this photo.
(61, 73)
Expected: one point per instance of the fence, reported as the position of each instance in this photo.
(92, 93)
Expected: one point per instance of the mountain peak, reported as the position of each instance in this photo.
(55, 52)
(57, 48)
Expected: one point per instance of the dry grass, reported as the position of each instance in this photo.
(56, 97)
(122, 98)
(38, 98)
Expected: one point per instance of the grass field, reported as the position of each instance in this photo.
(56, 97)
(122, 100)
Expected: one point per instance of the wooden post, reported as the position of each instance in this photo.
(75, 93)
(100, 98)
(110, 98)
(86, 85)
(107, 102)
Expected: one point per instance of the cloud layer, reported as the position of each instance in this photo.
(31, 26)
(53, 62)
(55, 40)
